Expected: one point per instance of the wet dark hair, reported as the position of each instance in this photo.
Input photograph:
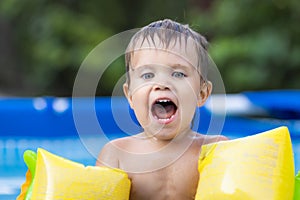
(168, 30)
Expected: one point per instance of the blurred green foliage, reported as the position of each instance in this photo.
(255, 44)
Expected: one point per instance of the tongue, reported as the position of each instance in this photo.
(163, 111)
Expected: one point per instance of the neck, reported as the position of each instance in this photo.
(183, 137)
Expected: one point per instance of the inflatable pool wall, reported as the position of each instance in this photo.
(246, 114)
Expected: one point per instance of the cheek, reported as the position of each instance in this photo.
(189, 100)
(189, 92)
(138, 103)
(188, 105)
(187, 110)
(140, 106)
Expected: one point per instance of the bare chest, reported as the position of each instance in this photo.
(176, 181)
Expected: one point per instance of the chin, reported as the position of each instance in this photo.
(164, 137)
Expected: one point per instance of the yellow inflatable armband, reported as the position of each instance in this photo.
(59, 178)
(257, 167)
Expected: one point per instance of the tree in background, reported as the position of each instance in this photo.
(254, 43)
(43, 42)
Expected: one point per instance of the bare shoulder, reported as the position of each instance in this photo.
(109, 155)
(207, 139)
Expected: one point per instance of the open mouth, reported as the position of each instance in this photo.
(163, 109)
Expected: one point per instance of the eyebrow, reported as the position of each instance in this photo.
(178, 65)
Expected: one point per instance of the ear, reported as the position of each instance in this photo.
(127, 94)
(205, 92)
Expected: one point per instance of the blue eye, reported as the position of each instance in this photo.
(178, 74)
(147, 76)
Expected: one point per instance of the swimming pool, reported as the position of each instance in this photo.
(29, 123)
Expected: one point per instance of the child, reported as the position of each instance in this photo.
(164, 86)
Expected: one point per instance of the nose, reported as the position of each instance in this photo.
(160, 87)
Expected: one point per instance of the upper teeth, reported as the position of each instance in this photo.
(163, 100)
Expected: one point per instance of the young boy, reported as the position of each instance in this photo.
(166, 81)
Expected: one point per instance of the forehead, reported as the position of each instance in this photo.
(178, 51)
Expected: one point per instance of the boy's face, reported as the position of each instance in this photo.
(165, 89)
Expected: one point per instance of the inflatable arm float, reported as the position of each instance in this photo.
(53, 177)
(257, 167)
